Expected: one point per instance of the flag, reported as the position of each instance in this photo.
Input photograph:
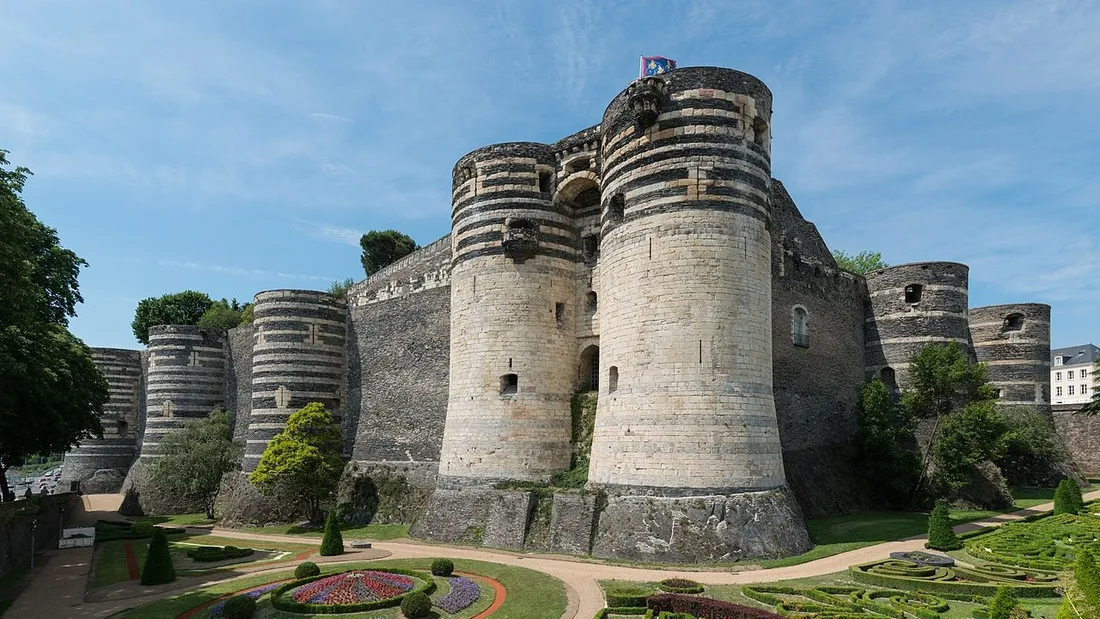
(655, 65)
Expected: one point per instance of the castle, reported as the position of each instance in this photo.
(651, 258)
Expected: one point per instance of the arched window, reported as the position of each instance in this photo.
(800, 326)
(887, 376)
(588, 378)
(590, 302)
(509, 384)
(760, 132)
(612, 379)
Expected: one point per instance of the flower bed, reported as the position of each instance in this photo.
(353, 591)
(464, 592)
(216, 610)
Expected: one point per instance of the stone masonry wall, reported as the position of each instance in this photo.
(1081, 434)
(238, 379)
(1014, 342)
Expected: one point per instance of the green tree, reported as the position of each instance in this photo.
(333, 542)
(1031, 445)
(340, 288)
(247, 315)
(302, 464)
(864, 262)
(51, 393)
(222, 315)
(1004, 604)
(158, 568)
(940, 534)
(382, 248)
(195, 458)
(887, 446)
(975, 434)
(1067, 498)
(181, 308)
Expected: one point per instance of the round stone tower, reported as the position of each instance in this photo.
(1014, 342)
(513, 346)
(299, 356)
(185, 380)
(686, 411)
(101, 464)
(913, 305)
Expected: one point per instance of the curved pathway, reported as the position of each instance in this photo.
(580, 577)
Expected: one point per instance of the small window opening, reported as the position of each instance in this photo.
(760, 132)
(800, 327)
(583, 163)
(559, 313)
(913, 293)
(1000, 393)
(123, 428)
(617, 210)
(612, 379)
(590, 248)
(887, 376)
(1014, 322)
(509, 384)
(544, 182)
(590, 302)
(589, 374)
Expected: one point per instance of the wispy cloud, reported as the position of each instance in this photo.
(250, 273)
(347, 236)
(330, 117)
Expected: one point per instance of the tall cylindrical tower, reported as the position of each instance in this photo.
(513, 292)
(1014, 342)
(685, 393)
(186, 379)
(299, 355)
(114, 453)
(912, 306)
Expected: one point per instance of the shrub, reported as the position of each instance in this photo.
(306, 569)
(1004, 602)
(416, 605)
(239, 607)
(333, 542)
(680, 585)
(143, 528)
(705, 607)
(217, 553)
(158, 568)
(1087, 574)
(443, 567)
(624, 596)
(940, 534)
(1067, 498)
(1075, 492)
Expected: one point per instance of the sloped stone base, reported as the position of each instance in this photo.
(701, 529)
(143, 498)
(103, 481)
(494, 518)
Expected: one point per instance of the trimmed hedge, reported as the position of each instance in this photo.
(218, 553)
(848, 602)
(416, 605)
(705, 607)
(627, 597)
(645, 613)
(941, 584)
(306, 569)
(679, 585)
(333, 542)
(940, 534)
(143, 528)
(281, 601)
(158, 568)
(443, 567)
(114, 530)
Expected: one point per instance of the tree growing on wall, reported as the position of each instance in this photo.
(180, 308)
(340, 288)
(195, 458)
(51, 392)
(223, 315)
(862, 263)
(888, 451)
(382, 248)
(302, 464)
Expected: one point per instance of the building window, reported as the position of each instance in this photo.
(1069, 390)
(590, 248)
(800, 326)
(544, 182)
(1084, 373)
(1057, 376)
(1014, 322)
(589, 374)
(913, 293)
(1057, 361)
(590, 302)
(123, 428)
(559, 314)
(612, 379)
(1069, 374)
(1058, 391)
(509, 384)
(1084, 389)
(1000, 393)
(617, 210)
(889, 378)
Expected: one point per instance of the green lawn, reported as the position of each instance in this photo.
(379, 532)
(531, 595)
(179, 520)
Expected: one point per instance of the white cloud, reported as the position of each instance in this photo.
(250, 273)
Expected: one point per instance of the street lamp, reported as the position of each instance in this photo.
(34, 526)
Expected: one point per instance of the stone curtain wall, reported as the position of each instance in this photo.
(1014, 342)
(398, 360)
(238, 379)
(1081, 434)
(100, 465)
(298, 356)
(15, 528)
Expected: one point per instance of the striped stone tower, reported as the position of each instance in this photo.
(115, 452)
(913, 305)
(686, 409)
(185, 380)
(1014, 342)
(513, 296)
(298, 356)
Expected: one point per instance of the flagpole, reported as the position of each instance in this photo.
(641, 66)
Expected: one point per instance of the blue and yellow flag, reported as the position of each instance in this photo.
(655, 65)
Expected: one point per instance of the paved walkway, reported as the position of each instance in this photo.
(56, 591)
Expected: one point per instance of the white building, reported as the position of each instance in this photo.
(1071, 374)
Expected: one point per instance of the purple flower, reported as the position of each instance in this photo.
(216, 610)
(463, 593)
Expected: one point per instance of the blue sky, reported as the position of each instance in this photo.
(233, 147)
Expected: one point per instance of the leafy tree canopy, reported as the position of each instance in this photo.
(864, 262)
(196, 457)
(302, 464)
(223, 315)
(180, 308)
(382, 248)
(942, 380)
(340, 288)
(51, 393)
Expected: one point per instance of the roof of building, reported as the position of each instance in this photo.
(1076, 355)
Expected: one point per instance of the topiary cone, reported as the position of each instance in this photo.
(940, 534)
(333, 542)
(158, 568)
